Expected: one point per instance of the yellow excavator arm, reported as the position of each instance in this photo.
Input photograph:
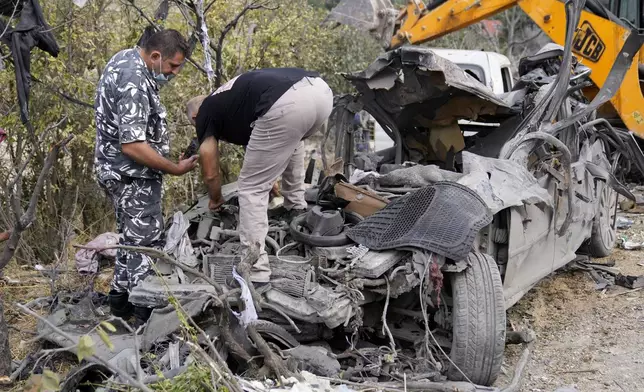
(598, 39)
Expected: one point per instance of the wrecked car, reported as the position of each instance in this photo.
(550, 192)
(407, 258)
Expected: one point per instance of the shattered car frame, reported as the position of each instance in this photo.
(549, 172)
(547, 186)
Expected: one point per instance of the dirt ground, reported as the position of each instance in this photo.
(588, 340)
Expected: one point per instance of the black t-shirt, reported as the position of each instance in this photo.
(228, 113)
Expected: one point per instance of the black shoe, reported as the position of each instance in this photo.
(277, 213)
(291, 214)
(141, 315)
(119, 305)
(282, 214)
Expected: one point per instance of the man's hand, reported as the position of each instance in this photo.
(214, 205)
(142, 153)
(186, 165)
(275, 192)
(5, 235)
(209, 156)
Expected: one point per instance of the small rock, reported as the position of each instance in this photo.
(626, 205)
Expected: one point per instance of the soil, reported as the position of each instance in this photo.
(587, 340)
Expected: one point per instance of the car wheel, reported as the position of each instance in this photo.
(604, 232)
(478, 322)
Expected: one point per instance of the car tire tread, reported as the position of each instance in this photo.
(595, 244)
(478, 321)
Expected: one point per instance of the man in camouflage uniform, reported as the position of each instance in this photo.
(132, 146)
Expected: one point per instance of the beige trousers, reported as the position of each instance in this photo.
(276, 148)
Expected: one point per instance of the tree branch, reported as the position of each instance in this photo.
(28, 217)
(22, 168)
(525, 41)
(204, 39)
(218, 365)
(57, 91)
(231, 25)
(159, 28)
(16, 196)
(205, 11)
(15, 8)
(63, 94)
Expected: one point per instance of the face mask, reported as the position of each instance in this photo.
(160, 77)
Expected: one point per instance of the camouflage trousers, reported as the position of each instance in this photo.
(139, 219)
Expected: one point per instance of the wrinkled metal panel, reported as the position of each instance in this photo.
(397, 65)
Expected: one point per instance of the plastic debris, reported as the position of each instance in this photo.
(249, 314)
(87, 259)
(631, 245)
(178, 243)
(624, 223)
(358, 251)
(359, 175)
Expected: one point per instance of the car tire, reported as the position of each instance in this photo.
(478, 322)
(604, 233)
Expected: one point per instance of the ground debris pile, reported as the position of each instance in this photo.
(342, 312)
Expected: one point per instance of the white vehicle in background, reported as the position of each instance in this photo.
(490, 68)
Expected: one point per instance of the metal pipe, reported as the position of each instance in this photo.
(608, 126)
(573, 10)
(272, 243)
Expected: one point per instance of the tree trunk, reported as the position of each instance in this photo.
(5, 357)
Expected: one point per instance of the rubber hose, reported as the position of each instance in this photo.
(322, 241)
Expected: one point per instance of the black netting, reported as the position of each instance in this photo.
(443, 218)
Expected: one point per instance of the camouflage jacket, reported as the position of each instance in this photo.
(128, 109)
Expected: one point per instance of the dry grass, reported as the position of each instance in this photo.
(23, 284)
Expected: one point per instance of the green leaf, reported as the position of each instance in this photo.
(106, 339)
(50, 381)
(108, 326)
(85, 347)
(34, 384)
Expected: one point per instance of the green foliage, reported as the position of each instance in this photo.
(323, 4)
(105, 338)
(107, 325)
(50, 381)
(85, 347)
(196, 378)
(289, 35)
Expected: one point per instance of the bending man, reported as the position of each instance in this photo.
(270, 111)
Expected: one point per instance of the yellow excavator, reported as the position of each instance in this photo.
(599, 38)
